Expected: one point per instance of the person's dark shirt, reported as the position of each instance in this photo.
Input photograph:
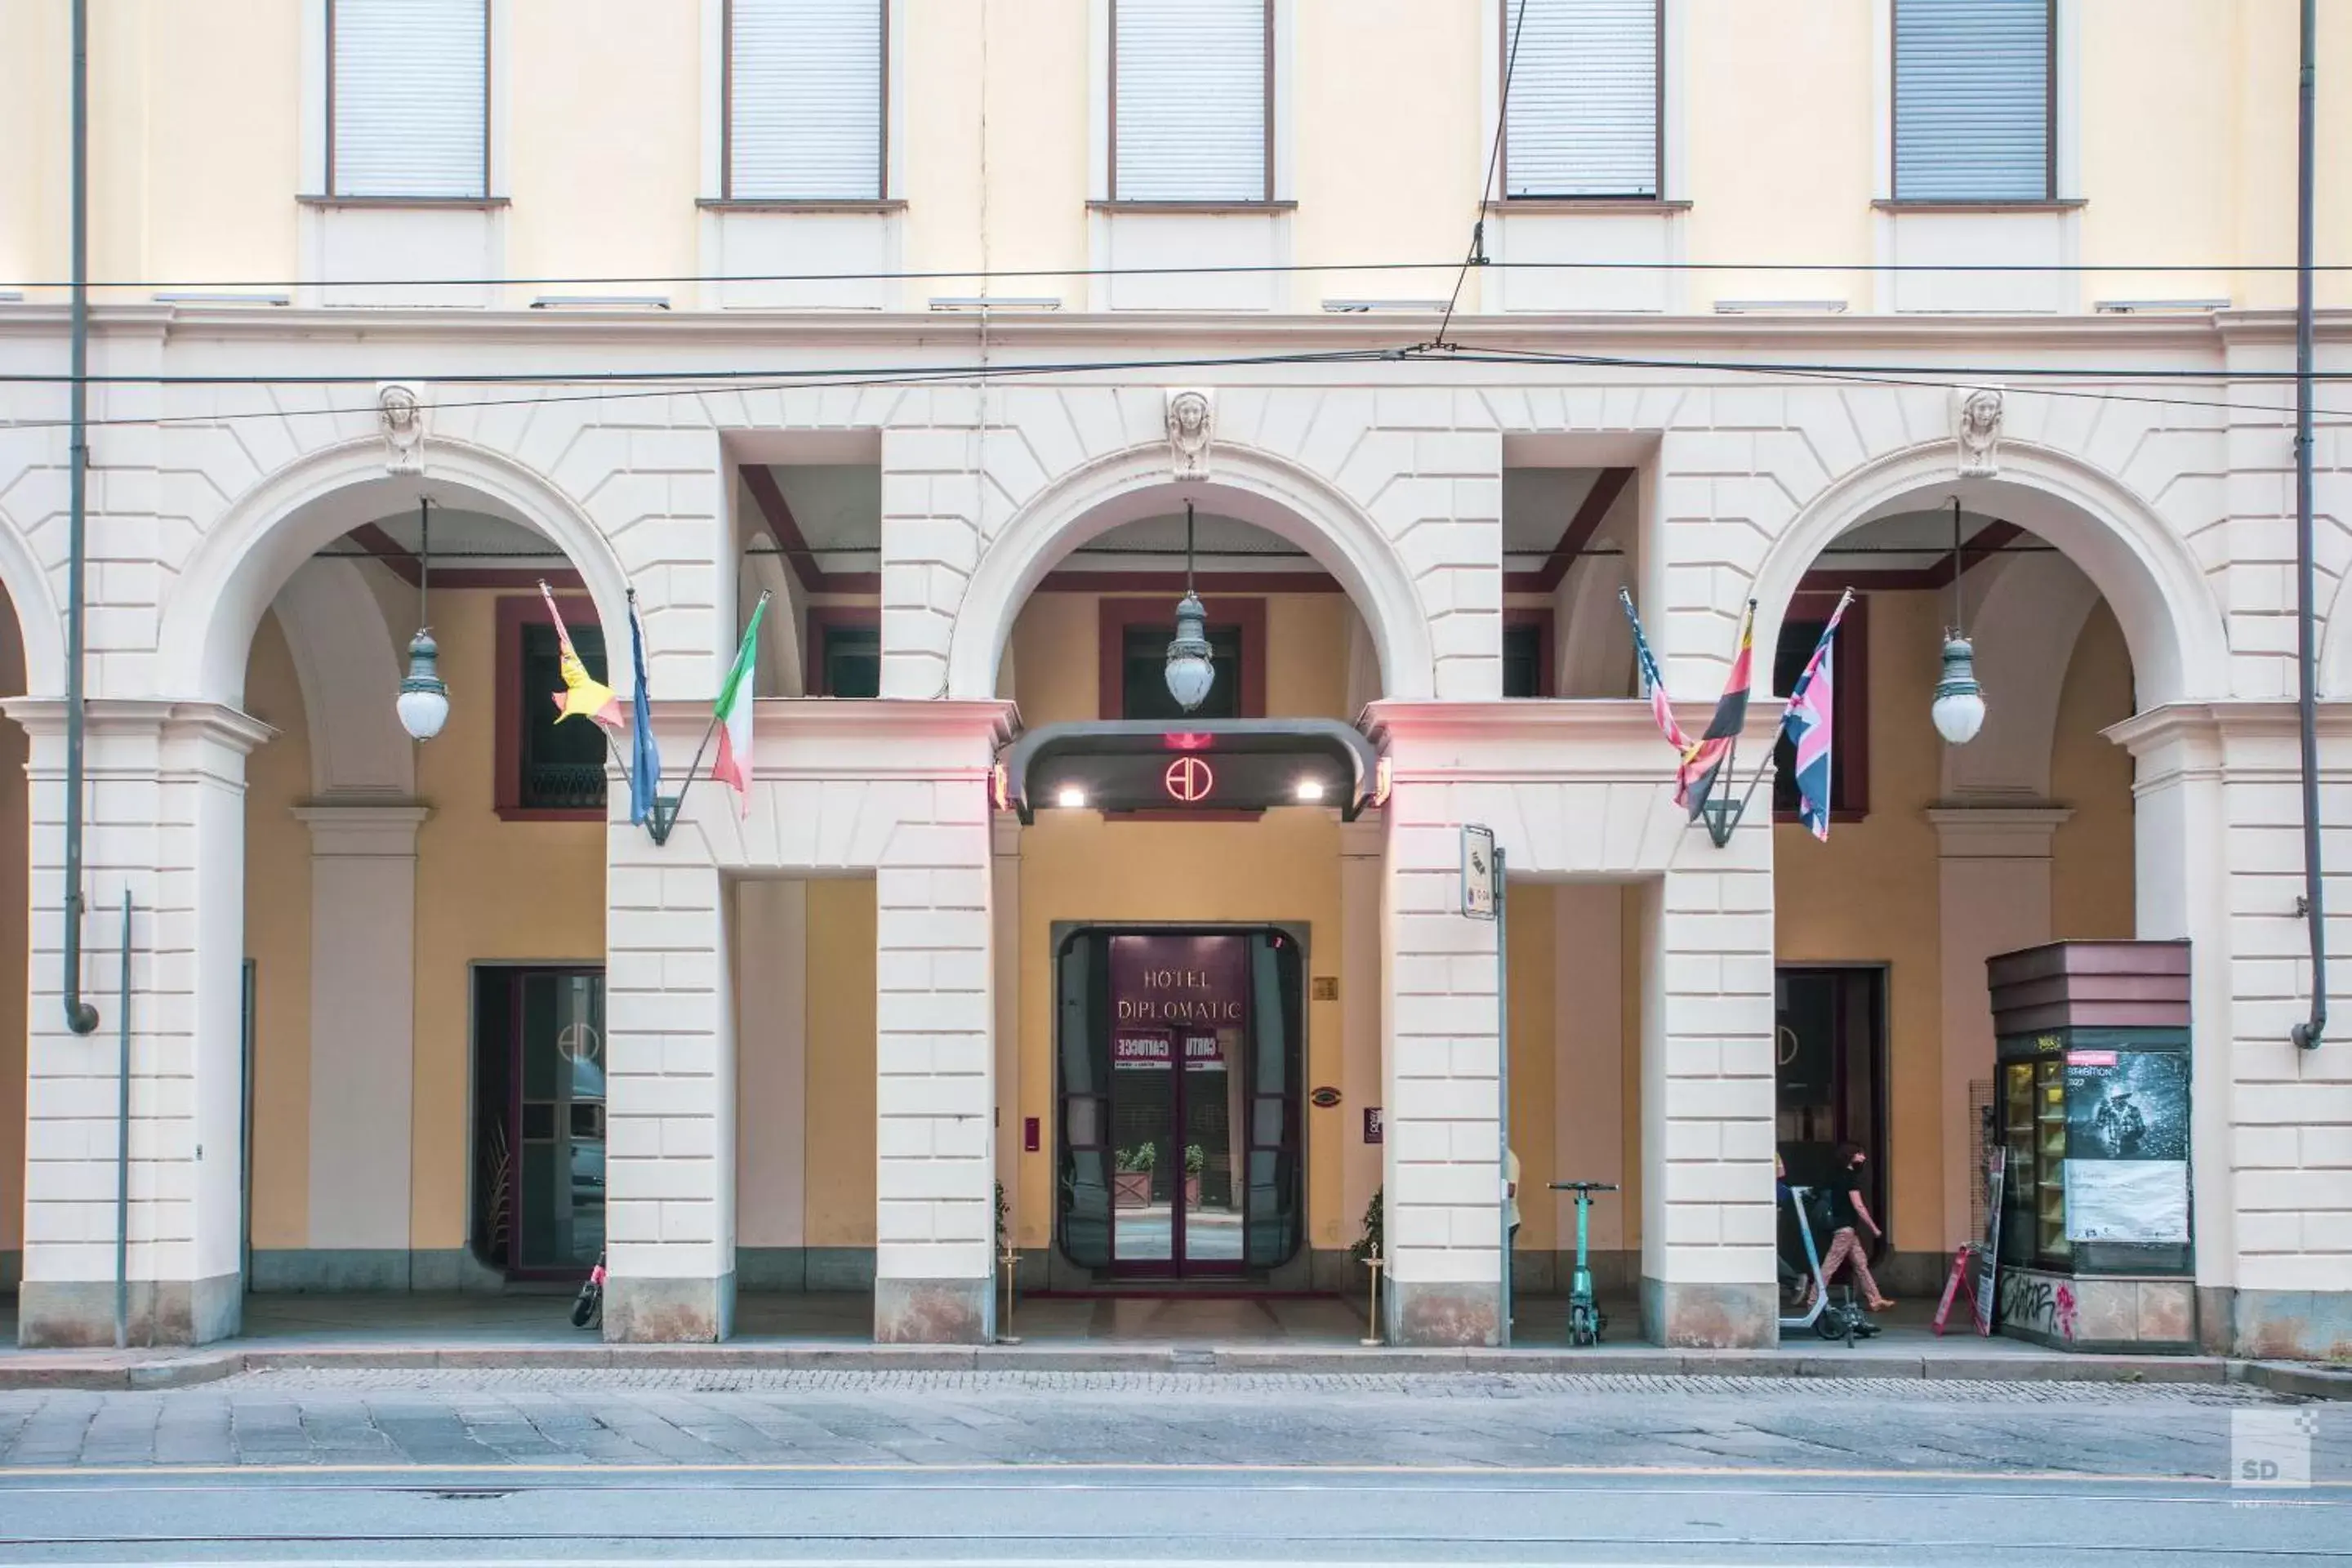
(1845, 1213)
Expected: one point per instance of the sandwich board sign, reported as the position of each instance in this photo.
(1478, 872)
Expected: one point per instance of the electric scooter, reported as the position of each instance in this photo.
(1585, 1319)
(1831, 1319)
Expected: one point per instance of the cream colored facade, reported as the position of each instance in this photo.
(830, 1021)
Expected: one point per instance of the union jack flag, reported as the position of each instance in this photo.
(1807, 721)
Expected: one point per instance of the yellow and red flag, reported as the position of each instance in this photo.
(583, 696)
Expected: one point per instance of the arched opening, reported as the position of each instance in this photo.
(1161, 956)
(423, 923)
(1938, 856)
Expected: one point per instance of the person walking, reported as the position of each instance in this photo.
(1849, 1214)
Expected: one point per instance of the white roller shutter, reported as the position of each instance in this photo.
(1971, 101)
(1583, 114)
(1189, 86)
(805, 86)
(412, 100)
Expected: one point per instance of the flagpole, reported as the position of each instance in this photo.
(669, 819)
(1766, 765)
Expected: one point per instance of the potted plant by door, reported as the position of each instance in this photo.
(1130, 1182)
(1196, 1160)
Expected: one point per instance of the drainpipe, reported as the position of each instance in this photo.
(80, 1017)
(2307, 1033)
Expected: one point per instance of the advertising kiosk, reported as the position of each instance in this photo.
(2097, 1251)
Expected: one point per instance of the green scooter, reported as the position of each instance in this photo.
(1585, 1319)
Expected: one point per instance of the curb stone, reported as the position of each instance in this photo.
(37, 1371)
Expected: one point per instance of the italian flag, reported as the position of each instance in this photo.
(733, 711)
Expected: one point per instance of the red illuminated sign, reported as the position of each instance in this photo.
(1188, 779)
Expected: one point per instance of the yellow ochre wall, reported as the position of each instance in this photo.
(278, 939)
(1870, 894)
(839, 1151)
(1080, 866)
(487, 889)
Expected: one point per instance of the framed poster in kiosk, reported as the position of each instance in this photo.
(2096, 1250)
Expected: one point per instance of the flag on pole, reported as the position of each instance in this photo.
(1653, 685)
(1702, 762)
(644, 760)
(733, 711)
(1807, 721)
(583, 696)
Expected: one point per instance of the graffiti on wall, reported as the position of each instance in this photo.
(2036, 1304)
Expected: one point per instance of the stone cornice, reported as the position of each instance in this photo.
(1013, 333)
(365, 828)
(45, 717)
(2213, 720)
(1482, 728)
(1972, 830)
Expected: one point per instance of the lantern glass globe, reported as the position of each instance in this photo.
(1959, 706)
(424, 700)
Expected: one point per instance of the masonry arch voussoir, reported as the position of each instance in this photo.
(1252, 484)
(2171, 618)
(261, 539)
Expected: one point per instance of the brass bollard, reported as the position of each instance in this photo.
(1012, 1260)
(1372, 1321)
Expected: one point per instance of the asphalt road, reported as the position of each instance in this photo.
(681, 1466)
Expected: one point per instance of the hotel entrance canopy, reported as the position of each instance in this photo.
(1207, 765)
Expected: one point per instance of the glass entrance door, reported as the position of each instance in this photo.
(1179, 1064)
(1828, 1070)
(538, 1135)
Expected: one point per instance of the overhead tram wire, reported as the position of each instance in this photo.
(1477, 252)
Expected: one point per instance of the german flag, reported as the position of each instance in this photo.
(1704, 759)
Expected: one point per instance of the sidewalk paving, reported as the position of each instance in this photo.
(1301, 1334)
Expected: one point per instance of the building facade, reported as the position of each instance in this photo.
(966, 335)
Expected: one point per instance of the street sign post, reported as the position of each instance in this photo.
(1482, 900)
(1478, 875)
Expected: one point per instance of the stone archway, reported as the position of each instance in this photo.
(2180, 647)
(1249, 485)
(248, 554)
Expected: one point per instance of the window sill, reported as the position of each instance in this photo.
(446, 204)
(1588, 205)
(1887, 205)
(550, 814)
(1837, 814)
(1195, 208)
(796, 205)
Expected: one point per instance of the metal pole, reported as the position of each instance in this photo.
(2307, 1033)
(1503, 1080)
(122, 1143)
(80, 1017)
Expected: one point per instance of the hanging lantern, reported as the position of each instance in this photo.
(1958, 709)
(424, 700)
(1191, 668)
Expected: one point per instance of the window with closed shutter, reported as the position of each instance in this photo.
(1581, 118)
(408, 100)
(1973, 112)
(1191, 104)
(804, 99)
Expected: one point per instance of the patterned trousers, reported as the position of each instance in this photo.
(1847, 1246)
